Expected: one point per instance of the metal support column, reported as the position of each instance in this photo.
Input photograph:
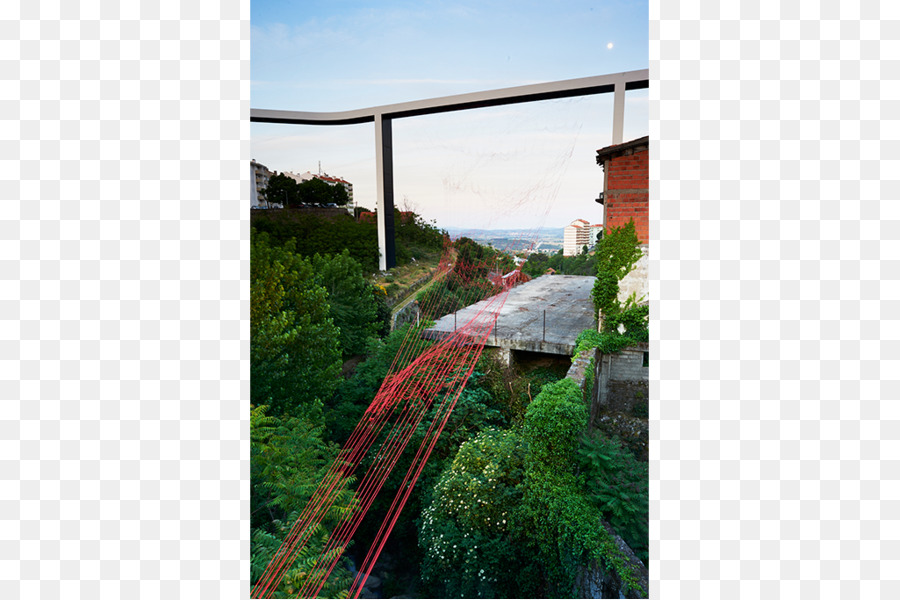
(618, 112)
(384, 165)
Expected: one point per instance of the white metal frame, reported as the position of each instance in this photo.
(382, 116)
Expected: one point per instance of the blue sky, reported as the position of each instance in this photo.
(527, 166)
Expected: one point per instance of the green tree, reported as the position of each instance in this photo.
(471, 260)
(516, 498)
(282, 189)
(355, 393)
(352, 300)
(294, 347)
(339, 195)
(315, 191)
(288, 460)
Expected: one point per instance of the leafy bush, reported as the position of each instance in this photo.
(526, 480)
(466, 530)
(294, 348)
(288, 459)
(353, 302)
(618, 484)
(563, 526)
(553, 423)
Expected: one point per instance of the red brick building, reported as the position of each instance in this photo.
(626, 187)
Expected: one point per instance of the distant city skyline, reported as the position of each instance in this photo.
(529, 166)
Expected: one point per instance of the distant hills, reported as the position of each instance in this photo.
(513, 239)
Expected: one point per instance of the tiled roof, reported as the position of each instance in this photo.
(608, 151)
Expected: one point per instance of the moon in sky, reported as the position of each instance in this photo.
(609, 46)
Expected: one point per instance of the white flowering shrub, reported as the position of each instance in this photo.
(465, 531)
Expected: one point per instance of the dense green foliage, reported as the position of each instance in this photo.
(510, 517)
(295, 364)
(581, 264)
(288, 459)
(618, 485)
(468, 282)
(314, 233)
(286, 191)
(616, 254)
(564, 525)
(294, 344)
(355, 393)
(470, 547)
(353, 301)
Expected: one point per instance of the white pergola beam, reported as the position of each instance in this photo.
(382, 116)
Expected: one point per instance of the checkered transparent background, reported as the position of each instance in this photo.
(124, 325)
(774, 472)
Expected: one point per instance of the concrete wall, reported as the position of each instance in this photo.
(408, 314)
(627, 365)
(622, 380)
(637, 281)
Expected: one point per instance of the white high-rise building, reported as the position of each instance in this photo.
(259, 180)
(578, 234)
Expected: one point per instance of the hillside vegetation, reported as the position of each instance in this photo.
(514, 501)
(325, 231)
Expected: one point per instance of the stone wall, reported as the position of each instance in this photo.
(408, 314)
(593, 580)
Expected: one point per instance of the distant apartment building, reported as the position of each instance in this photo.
(578, 234)
(324, 177)
(259, 180)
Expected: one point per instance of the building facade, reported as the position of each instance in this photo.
(626, 188)
(259, 181)
(578, 234)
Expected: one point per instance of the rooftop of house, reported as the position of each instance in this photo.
(619, 149)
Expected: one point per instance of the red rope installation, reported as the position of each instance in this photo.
(406, 394)
(448, 356)
(412, 475)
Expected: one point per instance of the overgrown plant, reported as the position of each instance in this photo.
(288, 459)
(616, 254)
(617, 484)
(466, 531)
(295, 355)
(515, 497)
(563, 525)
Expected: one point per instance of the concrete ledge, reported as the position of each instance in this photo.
(543, 315)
